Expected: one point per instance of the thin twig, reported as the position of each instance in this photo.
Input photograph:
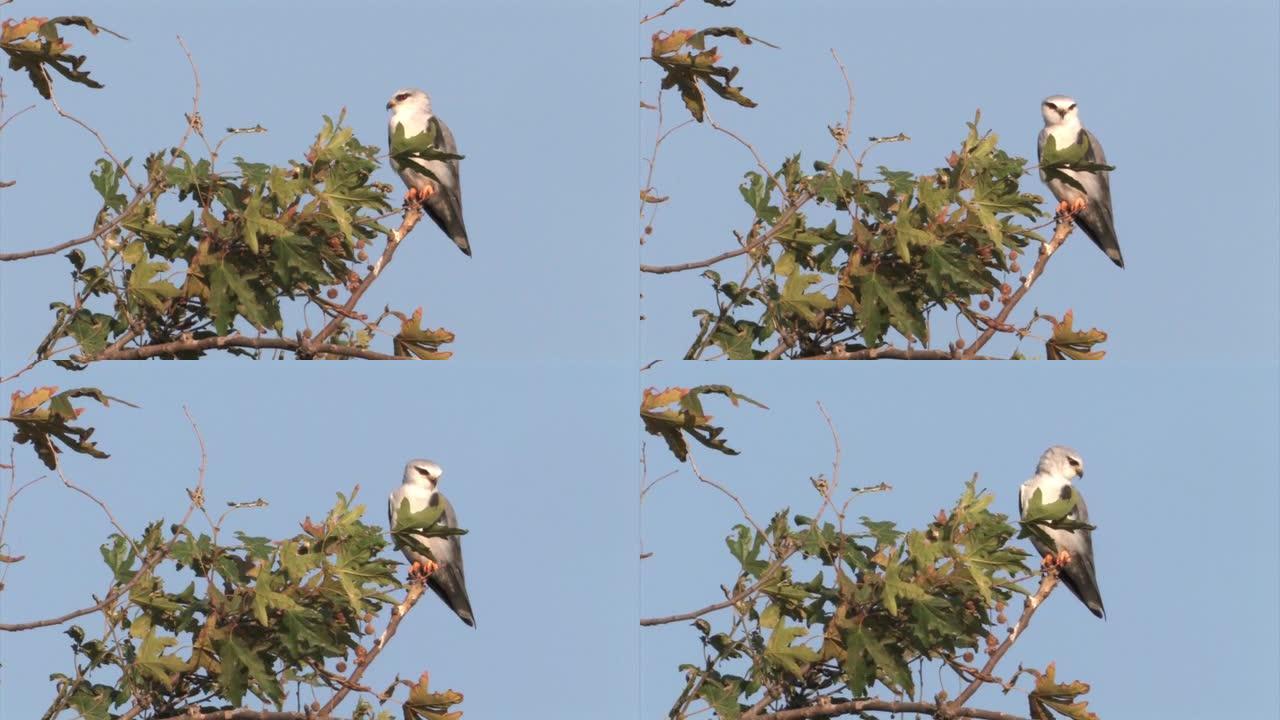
(780, 226)
(149, 564)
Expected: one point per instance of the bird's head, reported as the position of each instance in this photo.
(1061, 461)
(1059, 110)
(422, 472)
(409, 98)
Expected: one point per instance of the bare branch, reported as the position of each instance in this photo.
(779, 226)
(148, 564)
(1047, 584)
(303, 348)
(1060, 234)
(397, 614)
(887, 352)
(412, 214)
(765, 578)
(833, 709)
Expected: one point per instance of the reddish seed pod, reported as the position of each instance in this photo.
(960, 343)
(1015, 267)
(362, 256)
(368, 629)
(1005, 289)
(984, 304)
(341, 666)
(1002, 618)
(333, 293)
(648, 229)
(968, 657)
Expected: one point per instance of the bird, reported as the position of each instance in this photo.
(443, 569)
(1092, 208)
(441, 197)
(1058, 466)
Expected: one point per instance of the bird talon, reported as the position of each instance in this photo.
(1049, 561)
(1078, 204)
(1064, 557)
(420, 570)
(1064, 208)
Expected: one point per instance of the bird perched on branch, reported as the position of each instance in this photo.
(441, 197)
(1090, 206)
(1074, 552)
(443, 569)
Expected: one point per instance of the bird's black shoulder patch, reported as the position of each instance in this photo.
(434, 501)
(1064, 495)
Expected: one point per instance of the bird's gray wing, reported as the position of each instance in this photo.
(1097, 219)
(1079, 575)
(445, 207)
(448, 580)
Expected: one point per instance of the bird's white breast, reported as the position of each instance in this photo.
(1064, 135)
(1050, 487)
(418, 496)
(414, 119)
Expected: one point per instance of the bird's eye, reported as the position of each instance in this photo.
(1074, 462)
(402, 97)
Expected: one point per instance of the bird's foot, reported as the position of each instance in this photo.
(1078, 203)
(1064, 557)
(1064, 208)
(420, 570)
(418, 196)
(1049, 561)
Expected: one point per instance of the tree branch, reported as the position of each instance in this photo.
(141, 195)
(1060, 234)
(197, 500)
(1047, 585)
(303, 348)
(244, 714)
(353, 680)
(412, 214)
(734, 599)
(778, 227)
(834, 709)
(888, 352)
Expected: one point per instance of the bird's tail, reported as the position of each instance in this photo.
(449, 585)
(1098, 224)
(1079, 578)
(460, 239)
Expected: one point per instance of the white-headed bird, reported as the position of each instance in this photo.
(1092, 206)
(1074, 552)
(444, 568)
(441, 197)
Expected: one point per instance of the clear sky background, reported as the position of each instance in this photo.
(1181, 95)
(541, 99)
(1180, 477)
(538, 464)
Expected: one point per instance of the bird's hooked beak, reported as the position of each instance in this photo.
(390, 103)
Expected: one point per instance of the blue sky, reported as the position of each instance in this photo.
(537, 98)
(536, 474)
(1180, 94)
(1181, 472)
